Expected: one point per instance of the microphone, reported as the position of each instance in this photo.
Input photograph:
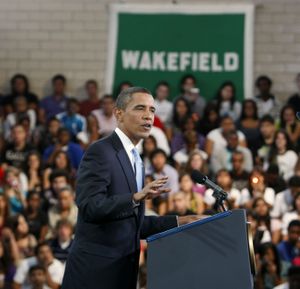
(218, 192)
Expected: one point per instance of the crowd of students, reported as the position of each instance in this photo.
(250, 148)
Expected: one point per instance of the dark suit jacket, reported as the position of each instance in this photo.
(108, 231)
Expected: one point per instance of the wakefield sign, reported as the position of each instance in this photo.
(150, 43)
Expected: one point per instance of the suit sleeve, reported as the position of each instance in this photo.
(94, 203)
(153, 225)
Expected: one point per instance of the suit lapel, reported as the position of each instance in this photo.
(124, 162)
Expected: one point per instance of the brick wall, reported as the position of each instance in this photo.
(42, 37)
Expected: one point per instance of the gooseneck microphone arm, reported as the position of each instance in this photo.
(218, 193)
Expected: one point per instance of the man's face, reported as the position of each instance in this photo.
(267, 129)
(237, 161)
(264, 86)
(91, 89)
(37, 278)
(65, 199)
(180, 203)
(137, 119)
(64, 233)
(294, 234)
(158, 162)
(108, 105)
(233, 141)
(45, 255)
(227, 124)
(64, 137)
(18, 134)
(59, 183)
(162, 92)
(59, 87)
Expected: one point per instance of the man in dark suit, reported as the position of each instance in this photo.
(110, 197)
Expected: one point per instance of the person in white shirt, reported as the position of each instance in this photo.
(282, 154)
(38, 277)
(215, 139)
(292, 215)
(163, 106)
(284, 200)
(257, 188)
(45, 258)
(105, 115)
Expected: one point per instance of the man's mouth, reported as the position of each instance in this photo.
(147, 126)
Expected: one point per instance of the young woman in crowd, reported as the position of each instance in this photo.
(257, 188)
(36, 217)
(195, 201)
(283, 155)
(224, 180)
(249, 124)
(26, 242)
(290, 124)
(33, 169)
(226, 101)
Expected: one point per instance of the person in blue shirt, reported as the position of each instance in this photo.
(288, 249)
(71, 119)
(64, 143)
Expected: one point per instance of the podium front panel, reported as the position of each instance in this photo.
(208, 254)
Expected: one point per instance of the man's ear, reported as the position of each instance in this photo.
(118, 114)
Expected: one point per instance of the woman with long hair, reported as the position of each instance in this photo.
(226, 101)
(33, 169)
(26, 242)
(282, 154)
(257, 188)
(249, 124)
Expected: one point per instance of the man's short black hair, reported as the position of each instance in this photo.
(36, 268)
(162, 83)
(157, 152)
(59, 77)
(59, 173)
(294, 223)
(294, 181)
(263, 78)
(267, 118)
(125, 96)
(40, 245)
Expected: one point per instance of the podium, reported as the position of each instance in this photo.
(212, 253)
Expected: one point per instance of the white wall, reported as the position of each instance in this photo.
(43, 37)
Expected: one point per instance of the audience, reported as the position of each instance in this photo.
(249, 148)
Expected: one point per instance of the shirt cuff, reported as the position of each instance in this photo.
(177, 220)
(135, 204)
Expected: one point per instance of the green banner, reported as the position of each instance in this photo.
(150, 46)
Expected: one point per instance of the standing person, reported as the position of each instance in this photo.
(110, 197)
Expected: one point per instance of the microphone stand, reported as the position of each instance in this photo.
(220, 197)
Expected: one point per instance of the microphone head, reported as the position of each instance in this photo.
(197, 177)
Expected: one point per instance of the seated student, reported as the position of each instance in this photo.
(216, 138)
(284, 200)
(64, 209)
(93, 101)
(239, 175)
(293, 279)
(224, 180)
(288, 249)
(43, 257)
(57, 101)
(163, 106)
(63, 240)
(257, 188)
(294, 100)
(160, 168)
(64, 143)
(105, 115)
(221, 159)
(195, 200)
(71, 119)
(38, 277)
(180, 205)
